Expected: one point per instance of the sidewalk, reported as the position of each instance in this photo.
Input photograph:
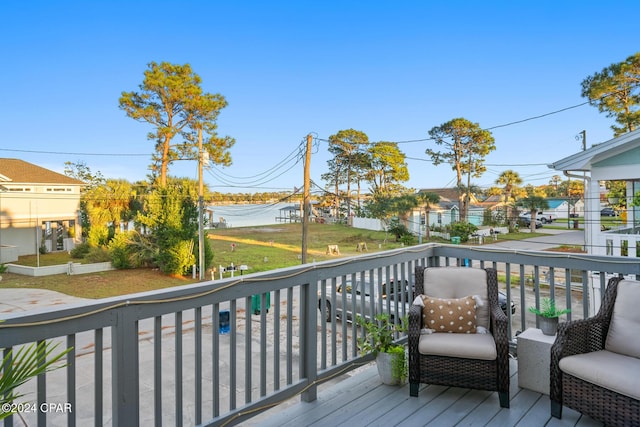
(21, 300)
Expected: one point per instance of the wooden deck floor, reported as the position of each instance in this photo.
(362, 400)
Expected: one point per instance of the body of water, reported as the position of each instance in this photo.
(249, 215)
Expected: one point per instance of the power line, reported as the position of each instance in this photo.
(61, 153)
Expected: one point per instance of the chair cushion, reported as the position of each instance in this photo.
(453, 315)
(625, 321)
(466, 346)
(459, 282)
(606, 369)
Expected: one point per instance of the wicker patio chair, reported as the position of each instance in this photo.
(469, 360)
(595, 362)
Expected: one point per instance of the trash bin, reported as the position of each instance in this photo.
(256, 301)
(224, 322)
(455, 240)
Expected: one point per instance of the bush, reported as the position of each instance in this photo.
(143, 252)
(463, 230)
(407, 239)
(177, 259)
(120, 251)
(208, 254)
(98, 254)
(80, 251)
(397, 229)
(98, 236)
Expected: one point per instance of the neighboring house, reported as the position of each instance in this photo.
(616, 159)
(565, 208)
(38, 208)
(440, 215)
(494, 204)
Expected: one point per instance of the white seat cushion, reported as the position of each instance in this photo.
(467, 346)
(606, 369)
(622, 337)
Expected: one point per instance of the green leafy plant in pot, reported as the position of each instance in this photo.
(548, 315)
(379, 337)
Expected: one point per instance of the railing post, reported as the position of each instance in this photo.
(309, 345)
(124, 357)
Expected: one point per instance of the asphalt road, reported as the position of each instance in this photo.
(552, 238)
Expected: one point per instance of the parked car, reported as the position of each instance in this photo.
(545, 218)
(368, 290)
(526, 222)
(608, 212)
(363, 293)
(502, 300)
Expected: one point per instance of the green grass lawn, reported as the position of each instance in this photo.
(270, 247)
(44, 260)
(259, 248)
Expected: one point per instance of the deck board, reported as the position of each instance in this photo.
(360, 399)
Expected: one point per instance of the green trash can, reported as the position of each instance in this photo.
(256, 302)
(455, 240)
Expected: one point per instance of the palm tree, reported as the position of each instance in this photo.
(534, 204)
(27, 363)
(428, 200)
(510, 180)
(402, 206)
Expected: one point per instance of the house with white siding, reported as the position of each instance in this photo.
(39, 210)
(615, 160)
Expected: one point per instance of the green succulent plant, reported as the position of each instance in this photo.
(548, 309)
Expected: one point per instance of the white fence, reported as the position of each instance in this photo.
(71, 268)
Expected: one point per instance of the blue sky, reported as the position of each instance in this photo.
(392, 69)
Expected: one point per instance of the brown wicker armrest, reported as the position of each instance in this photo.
(415, 326)
(575, 337)
(500, 332)
(580, 336)
(415, 321)
(499, 326)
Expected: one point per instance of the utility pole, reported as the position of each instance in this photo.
(587, 228)
(200, 208)
(306, 209)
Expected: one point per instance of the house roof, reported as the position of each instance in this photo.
(15, 171)
(584, 160)
(555, 203)
(446, 194)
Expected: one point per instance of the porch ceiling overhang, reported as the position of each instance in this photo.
(584, 160)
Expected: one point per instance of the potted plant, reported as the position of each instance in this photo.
(548, 315)
(3, 269)
(379, 336)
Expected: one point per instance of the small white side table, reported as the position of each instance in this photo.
(534, 357)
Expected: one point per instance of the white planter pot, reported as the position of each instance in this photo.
(384, 362)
